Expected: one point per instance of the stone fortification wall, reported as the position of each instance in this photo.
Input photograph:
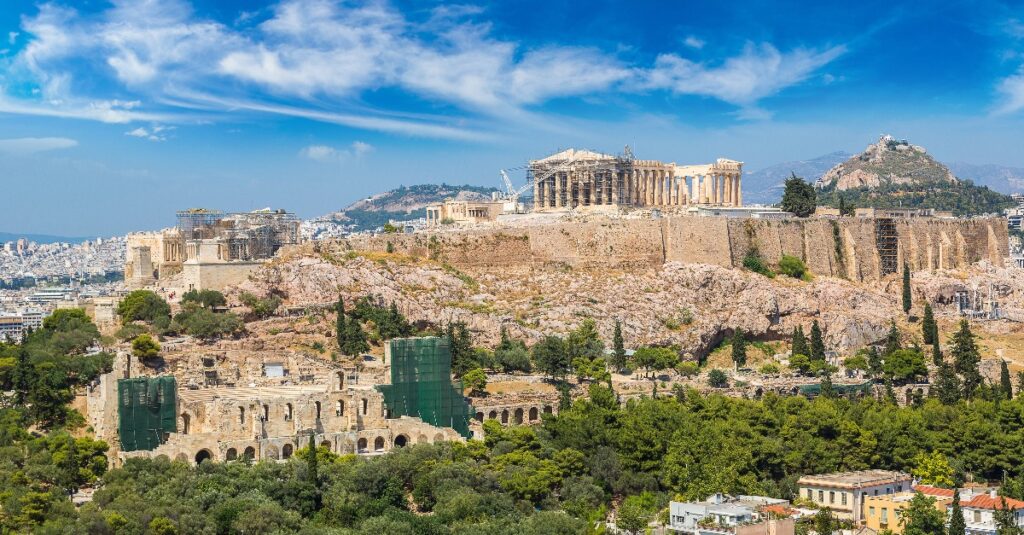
(843, 247)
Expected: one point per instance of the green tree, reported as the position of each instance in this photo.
(340, 329)
(1006, 519)
(1005, 384)
(739, 348)
(800, 363)
(799, 197)
(957, 524)
(827, 390)
(260, 307)
(718, 379)
(204, 298)
(652, 359)
(460, 343)
(514, 358)
(817, 343)
(798, 345)
(947, 385)
(824, 522)
(905, 365)
(922, 518)
(618, 348)
(551, 357)
(937, 358)
(893, 340)
(907, 297)
(143, 305)
(874, 361)
(476, 381)
(633, 516)
(144, 347)
(1020, 384)
(933, 469)
(966, 358)
(584, 341)
(207, 325)
(929, 328)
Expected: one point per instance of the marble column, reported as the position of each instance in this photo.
(721, 189)
(739, 189)
(559, 191)
(695, 189)
(728, 189)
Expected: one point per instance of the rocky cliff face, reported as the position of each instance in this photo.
(694, 306)
(886, 162)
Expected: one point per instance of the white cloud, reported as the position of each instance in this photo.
(693, 41)
(12, 37)
(156, 132)
(32, 145)
(1011, 90)
(327, 154)
(758, 72)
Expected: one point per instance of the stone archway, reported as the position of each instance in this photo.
(401, 441)
(286, 451)
(504, 416)
(249, 453)
(533, 414)
(479, 416)
(186, 423)
(492, 415)
(270, 452)
(327, 444)
(547, 409)
(439, 438)
(231, 454)
(361, 446)
(422, 439)
(203, 455)
(518, 416)
(378, 444)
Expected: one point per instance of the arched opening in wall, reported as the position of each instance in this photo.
(231, 454)
(504, 416)
(361, 445)
(341, 380)
(758, 393)
(241, 415)
(249, 453)
(339, 408)
(327, 444)
(422, 439)
(317, 404)
(378, 444)
(547, 409)
(181, 457)
(909, 396)
(401, 441)
(438, 438)
(286, 451)
(533, 414)
(518, 418)
(479, 416)
(492, 415)
(287, 412)
(270, 452)
(186, 423)
(795, 390)
(366, 406)
(203, 455)
(266, 413)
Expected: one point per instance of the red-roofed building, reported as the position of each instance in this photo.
(979, 512)
(934, 492)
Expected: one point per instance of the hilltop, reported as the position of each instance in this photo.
(404, 202)
(894, 173)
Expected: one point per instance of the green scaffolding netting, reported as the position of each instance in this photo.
(422, 386)
(146, 411)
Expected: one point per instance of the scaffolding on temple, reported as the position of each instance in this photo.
(198, 223)
(146, 411)
(422, 385)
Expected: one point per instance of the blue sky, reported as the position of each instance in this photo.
(115, 113)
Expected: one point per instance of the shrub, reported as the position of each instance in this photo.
(769, 368)
(718, 379)
(204, 298)
(142, 305)
(145, 347)
(792, 266)
(753, 262)
(687, 368)
(208, 325)
(130, 331)
(261, 308)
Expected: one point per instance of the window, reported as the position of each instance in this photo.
(871, 511)
(885, 515)
(288, 412)
(977, 517)
(842, 497)
(821, 496)
(831, 496)
(809, 494)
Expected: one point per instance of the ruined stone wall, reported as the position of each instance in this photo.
(844, 247)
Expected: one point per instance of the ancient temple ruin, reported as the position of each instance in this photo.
(580, 178)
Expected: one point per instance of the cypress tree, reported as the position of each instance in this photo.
(355, 338)
(874, 361)
(929, 329)
(1005, 385)
(937, 353)
(966, 358)
(906, 289)
(339, 325)
(957, 525)
(827, 390)
(618, 347)
(1020, 384)
(817, 344)
(892, 340)
(799, 343)
(739, 348)
(947, 387)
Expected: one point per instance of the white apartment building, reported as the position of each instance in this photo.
(844, 492)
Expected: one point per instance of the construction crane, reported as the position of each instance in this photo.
(512, 194)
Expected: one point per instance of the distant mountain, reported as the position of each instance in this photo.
(765, 185)
(1001, 178)
(893, 173)
(403, 203)
(39, 238)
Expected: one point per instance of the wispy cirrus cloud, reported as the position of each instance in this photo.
(31, 145)
(320, 58)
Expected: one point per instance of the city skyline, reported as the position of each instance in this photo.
(116, 114)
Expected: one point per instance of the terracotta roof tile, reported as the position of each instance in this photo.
(937, 492)
(985, 501)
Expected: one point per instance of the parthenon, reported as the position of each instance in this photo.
(573, 178)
